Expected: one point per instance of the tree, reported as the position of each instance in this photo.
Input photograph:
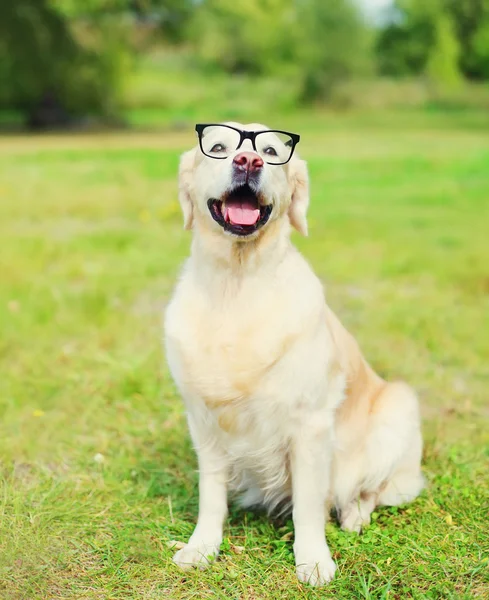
(60, 59)
(403, 43)
(443, 60)
(480, 47)
(471, 19)
(409, 40)
(244, 36)
(333, 45)
(318, 44)
(170, 16)
(45, 71)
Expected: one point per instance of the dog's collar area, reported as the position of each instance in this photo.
(218, 211)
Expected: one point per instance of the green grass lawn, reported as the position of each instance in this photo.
(97, 470)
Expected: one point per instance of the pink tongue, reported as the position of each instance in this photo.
(242, 213)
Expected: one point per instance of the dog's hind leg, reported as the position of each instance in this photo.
(390, 469)
(394, 446)
(404, 485)
(357, 513)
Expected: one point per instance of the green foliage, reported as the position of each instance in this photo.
(42, 59)
(403, 44)
(421, 32)
(471, 18)
(333, 46)
(78, 55)
(442, 68)
(480, 47)
(319, 44)
(36, 50)
(169, 16)
(245, 36)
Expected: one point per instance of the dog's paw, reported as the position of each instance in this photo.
(192, 555)
(353, 521)
(316, 571)
(357, 515)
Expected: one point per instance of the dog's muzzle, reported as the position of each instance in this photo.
(240, 212)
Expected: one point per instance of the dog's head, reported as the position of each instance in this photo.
(241, 178)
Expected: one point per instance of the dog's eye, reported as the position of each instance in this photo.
(218, 148)
(271, 151)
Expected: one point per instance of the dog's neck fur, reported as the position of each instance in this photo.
(214, 252)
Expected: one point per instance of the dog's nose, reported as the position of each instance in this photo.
(248, 161)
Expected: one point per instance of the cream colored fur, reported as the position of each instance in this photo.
(281, 405)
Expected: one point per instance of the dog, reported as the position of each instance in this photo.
(281, 405)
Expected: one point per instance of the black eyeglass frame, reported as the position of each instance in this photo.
(247, 135)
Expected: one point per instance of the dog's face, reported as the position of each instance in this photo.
(239, 191)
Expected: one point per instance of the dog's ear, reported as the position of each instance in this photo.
(185, 183)
(299, 182)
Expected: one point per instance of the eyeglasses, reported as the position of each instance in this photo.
(220, 141)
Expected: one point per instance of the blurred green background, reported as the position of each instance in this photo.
(93, 62)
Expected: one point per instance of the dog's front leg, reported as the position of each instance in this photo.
(310, 470)
(204, 544)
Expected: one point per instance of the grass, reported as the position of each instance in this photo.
(97, 471)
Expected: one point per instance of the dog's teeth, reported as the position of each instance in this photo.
(225, 213)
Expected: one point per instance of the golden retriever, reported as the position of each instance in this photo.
(282, 407)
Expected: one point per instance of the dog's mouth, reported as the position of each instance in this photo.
(240, 211)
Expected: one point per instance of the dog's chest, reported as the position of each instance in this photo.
(224, 354)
